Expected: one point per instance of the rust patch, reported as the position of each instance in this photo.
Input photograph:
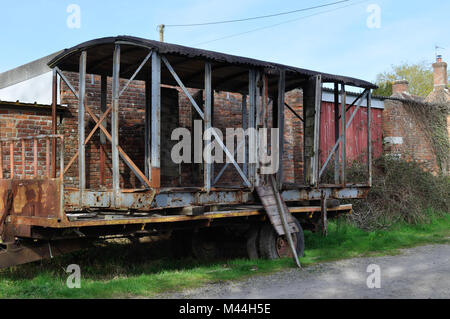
(156, 177)
(38, 198)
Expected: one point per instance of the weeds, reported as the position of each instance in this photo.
(401, 192)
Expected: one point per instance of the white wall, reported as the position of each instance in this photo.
(38, 89)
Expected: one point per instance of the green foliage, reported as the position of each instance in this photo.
(384, 89)
(119, 270)
(401, 192)
(419, 76)
(433, 120)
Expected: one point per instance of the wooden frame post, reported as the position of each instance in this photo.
(155, 169)
(280, 118)
(318, 108)
(336, 133)
(103, 103)
(343, 134)
(207, 125)
(369, 137)
(148, 124)
(54, 103)
(115, 126)
(81, 126)
(244, 127)
(251, 125)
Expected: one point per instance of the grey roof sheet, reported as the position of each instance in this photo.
(177, 50)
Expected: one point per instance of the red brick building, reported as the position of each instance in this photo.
(406, 127)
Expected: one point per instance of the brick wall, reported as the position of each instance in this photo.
(17, 121)
(404, 136)
(177, 112)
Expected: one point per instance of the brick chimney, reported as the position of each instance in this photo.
(440, 73)
(400, 86)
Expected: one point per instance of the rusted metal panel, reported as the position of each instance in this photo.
(35, 198)
(16, 254)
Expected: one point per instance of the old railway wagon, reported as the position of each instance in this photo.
(50, 204)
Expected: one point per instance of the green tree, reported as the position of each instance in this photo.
(419, 76)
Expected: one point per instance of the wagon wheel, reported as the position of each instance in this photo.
(180, 243)
(205, 246)
(273, 246)
(252, 242)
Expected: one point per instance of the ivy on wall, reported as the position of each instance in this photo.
(432, 117)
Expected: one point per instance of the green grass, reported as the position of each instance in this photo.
(118, 270)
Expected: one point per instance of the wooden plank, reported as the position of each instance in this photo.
(269, 202)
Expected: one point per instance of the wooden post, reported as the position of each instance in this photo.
(103, 102)
(336, 133)
(35, 158)
(11, 159)
(281, 89)
(343, 133)
(81, 126)
(54, 103)
(148, 123)
(208, 124)
(251, 125)
(23, 159)
(369, 137)
(155, 171)
(115, 126)
(311, 114)
(1, 160)
(244, 127)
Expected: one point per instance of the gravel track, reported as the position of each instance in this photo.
(420, 272)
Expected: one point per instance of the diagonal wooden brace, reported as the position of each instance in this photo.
(124, 155)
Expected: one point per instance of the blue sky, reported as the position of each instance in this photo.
(335, 42)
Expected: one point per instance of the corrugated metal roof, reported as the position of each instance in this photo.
(100, 50)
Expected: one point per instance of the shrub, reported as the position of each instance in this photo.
(401, 192)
